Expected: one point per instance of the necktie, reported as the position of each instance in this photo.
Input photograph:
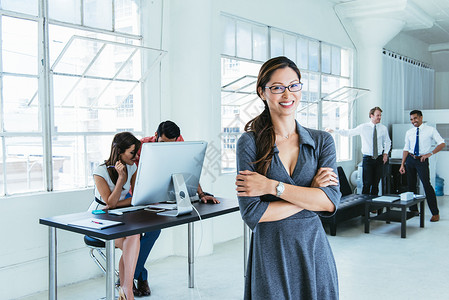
(416, 151)
(375, 154)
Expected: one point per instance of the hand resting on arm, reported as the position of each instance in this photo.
(296, 198)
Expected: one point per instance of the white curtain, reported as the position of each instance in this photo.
(407, 85)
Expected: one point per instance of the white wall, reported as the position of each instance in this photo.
(409, 46)
(442, 90)
(24, 251)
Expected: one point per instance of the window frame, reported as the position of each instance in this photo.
(46, 113)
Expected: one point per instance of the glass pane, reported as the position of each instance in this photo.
(20, 104)
(277, 43)
(24, 165)
(346, 60)
(96, 85)
(260, 43)
(302, 48)
(98, 13)
(307, 110)
(228, 31)
(127, 16)
(336, 60)
(329, 84)
(67, 10)
(122, 112)
(336, 115)
(325, 58)
(77, 48)
(305, 87)
(71, 92)
(244, 40)
(290, 46)
(24, 6)
(68, 161)
(313, 56)
(2, 179)
(239, 104)
(75, 157)
(314, 87)
(114, 61)
(19, 46)
(307, 115)
(98, 150)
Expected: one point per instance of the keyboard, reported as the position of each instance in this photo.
(127, 209)
(168, 206)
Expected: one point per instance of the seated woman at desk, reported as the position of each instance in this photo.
(113, 180)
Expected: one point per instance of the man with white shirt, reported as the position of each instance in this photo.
(376, 144)
(417, 150)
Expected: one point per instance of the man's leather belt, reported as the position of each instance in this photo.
(414, 156)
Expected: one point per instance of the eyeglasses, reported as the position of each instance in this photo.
(279, 89)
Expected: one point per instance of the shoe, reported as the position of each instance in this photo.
(136, 291)
(143, 287)
(435, 218)
(121, 294)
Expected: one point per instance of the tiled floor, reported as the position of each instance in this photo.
(379, 265)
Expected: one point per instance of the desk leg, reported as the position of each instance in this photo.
(403, 222)
(421, 214)
(110, 270)
(52, 264)
(367, 209)
(388, 215)
(246, 236)
(191, 254)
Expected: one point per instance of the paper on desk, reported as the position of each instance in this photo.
(94, 223)
(386, 198)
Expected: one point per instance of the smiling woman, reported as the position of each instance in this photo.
(286, 178)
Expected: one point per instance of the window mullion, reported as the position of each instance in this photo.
(320, 102)
(44, 94)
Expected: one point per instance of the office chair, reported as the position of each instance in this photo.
(97, 246)
(345, 188)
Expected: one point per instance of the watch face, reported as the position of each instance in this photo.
(279, 189)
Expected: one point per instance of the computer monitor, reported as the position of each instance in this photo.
(159, 162)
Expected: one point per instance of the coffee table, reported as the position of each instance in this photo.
(396, 211)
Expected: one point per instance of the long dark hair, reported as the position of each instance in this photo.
(262, 126)
(120, 143)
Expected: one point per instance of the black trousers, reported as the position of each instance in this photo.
(415, 166)
(372, 173)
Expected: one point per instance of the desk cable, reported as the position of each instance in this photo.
(198, 249)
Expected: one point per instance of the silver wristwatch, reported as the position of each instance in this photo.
(280, 189)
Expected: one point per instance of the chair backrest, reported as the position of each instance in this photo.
(345, 188)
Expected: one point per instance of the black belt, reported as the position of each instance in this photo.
(370, 156)
(415, 156)
(99, 201)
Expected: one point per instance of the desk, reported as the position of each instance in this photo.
(134, 223)
(392, 215)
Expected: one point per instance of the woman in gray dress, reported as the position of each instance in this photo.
(286, 178)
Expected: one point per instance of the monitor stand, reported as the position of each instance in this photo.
(182, 197)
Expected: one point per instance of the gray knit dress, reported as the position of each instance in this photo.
(290, 258)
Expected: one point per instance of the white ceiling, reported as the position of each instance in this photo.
(436, 36)
(439, 32)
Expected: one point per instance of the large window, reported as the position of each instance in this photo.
(325, 68)
(67, 88)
